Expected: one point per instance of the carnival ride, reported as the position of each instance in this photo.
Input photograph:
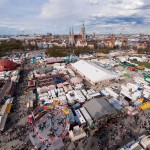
(51, 121)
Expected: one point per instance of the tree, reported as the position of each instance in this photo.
(6, 47)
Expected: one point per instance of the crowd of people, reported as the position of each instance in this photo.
(17, 128)
(125, 130)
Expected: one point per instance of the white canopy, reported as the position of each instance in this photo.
(3, 121)
(93, 72)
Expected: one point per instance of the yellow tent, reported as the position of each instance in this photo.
(145, 106)
(101, 54)
(56, 102)
(8, 108)
(140, 67)
(66, 111)
(141, 99)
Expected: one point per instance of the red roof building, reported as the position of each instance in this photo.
(142, 45)
(77, 37)
(81, 44)
(7, 65)
(109, 43)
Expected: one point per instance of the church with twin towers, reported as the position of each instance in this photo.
(77, 39)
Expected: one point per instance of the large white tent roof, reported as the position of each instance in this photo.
(93, 72)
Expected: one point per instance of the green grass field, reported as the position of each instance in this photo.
(145, 64)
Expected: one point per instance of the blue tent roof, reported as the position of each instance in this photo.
(47, 104)
(115, 103)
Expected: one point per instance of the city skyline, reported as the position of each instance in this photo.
(57, 16)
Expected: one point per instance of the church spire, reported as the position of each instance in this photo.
(83, 32)
(83, 24)
(72, 31)
(71, 36)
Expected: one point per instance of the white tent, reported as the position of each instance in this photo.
(3, 121)
(92, 72)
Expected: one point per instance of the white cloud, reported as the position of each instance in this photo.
(51, 10)
(133, 4)
(94, 2)
(114, 8)
(55, 9)
(77, 9)
(57, 16)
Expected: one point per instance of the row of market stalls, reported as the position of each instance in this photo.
(138, 94)
(133, 97)
(55, 83)
(43, 59)
(52, 60)
(9, 77)
(135, 67)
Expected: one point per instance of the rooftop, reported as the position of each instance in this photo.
(98, 107)
(93, 72)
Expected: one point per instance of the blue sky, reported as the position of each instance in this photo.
(57, 16)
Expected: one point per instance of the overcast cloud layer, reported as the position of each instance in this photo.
(57, 16)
